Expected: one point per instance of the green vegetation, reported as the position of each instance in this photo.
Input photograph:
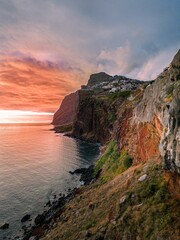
(113, 117)
(149, 211)
(120, 94)
(148, 205)
(91, 223)
(112, 163)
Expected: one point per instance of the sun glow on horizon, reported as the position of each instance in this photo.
(20, 116)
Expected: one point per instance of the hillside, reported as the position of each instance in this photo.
(137, 188)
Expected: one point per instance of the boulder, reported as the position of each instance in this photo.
(39, 219)
(25, 218)
(4, 226)
(142, 178)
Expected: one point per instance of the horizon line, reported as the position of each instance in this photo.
(23, 112)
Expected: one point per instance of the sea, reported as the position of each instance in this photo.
(34, 166)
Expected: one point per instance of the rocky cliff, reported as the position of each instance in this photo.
(97, 78)
(67, 111)
(99, 87)
(160, 106)
(146, 113)
(137, 190)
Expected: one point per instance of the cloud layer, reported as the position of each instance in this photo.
(48, 48)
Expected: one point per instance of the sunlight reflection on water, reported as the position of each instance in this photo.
(34, 164)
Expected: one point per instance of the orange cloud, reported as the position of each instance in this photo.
(29, 84)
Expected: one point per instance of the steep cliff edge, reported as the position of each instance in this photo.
(135, 196)
(161, 107)
(67, 111)
(97, 112)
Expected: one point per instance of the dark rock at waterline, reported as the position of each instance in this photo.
(87, 174)
(25, 218)
(48, 203)
(48, 218)
(39, 219)
(4, 226)
(79, 171)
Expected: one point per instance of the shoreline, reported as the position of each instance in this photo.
(48, 219)
(36, 225)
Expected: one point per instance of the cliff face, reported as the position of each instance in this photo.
(94, 119)
(98, 106)
(160, 107)
(67, 111)
(144, 118)
(135, 196)
(92, 110)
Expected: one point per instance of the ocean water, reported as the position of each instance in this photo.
(35, 165)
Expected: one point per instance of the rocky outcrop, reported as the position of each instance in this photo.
(160, 107)
(102, 82)
(67, 111)
(98, 78)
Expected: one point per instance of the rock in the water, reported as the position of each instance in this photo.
(25, 218)
(142, 178)
(78, 171)
(39, 219)
(48, 203)
(86, 174)
(5, 226)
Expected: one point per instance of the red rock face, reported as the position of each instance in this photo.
(67, 111)
(140, 140)
(147, 142)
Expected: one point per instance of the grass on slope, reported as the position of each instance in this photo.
(123, 208)
(112, 163)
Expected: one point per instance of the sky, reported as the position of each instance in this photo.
(48, 48)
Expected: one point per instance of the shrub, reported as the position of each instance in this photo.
(120, 94)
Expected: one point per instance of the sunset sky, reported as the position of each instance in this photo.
(48, 48)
